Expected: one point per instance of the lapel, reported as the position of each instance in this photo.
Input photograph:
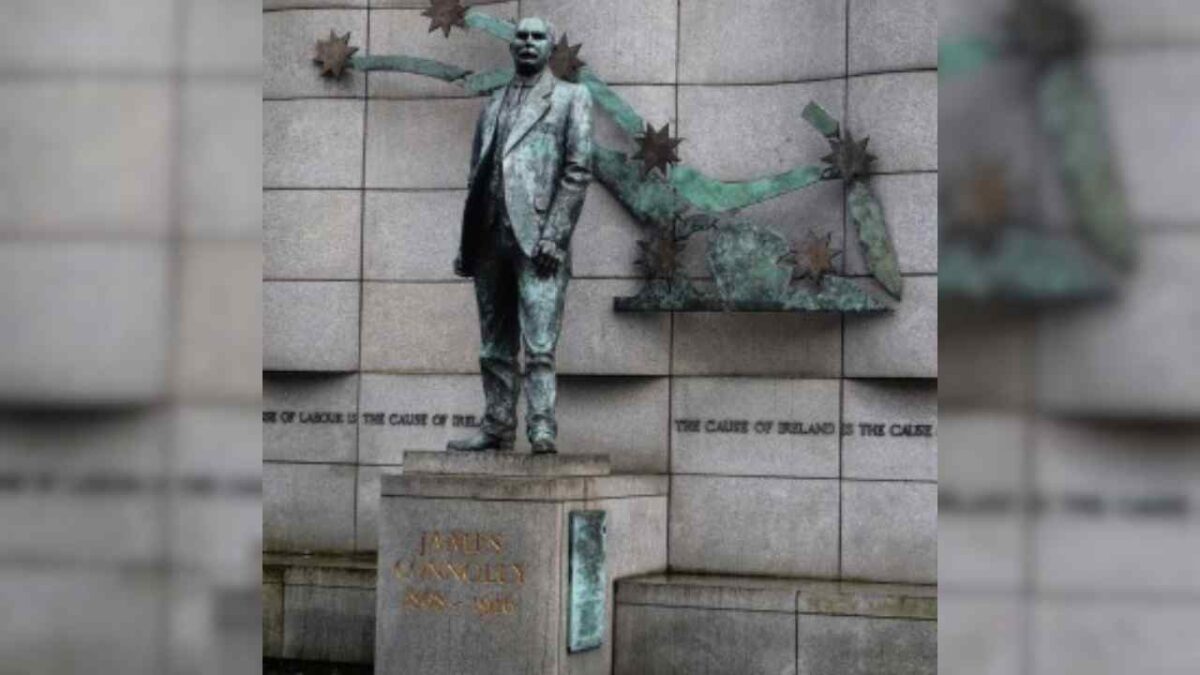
(537, 103)
(489, 125)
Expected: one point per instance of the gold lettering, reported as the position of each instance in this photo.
(401, 570)
(519, 570)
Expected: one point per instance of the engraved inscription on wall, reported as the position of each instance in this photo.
(718, 425)
(460, 572)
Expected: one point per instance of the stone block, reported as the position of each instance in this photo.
(310, 326)
(899, 111)
(605, 239)
(127, 35)
(981, 524)
(366, 520)
(1079, 547)
(889, 531)
(622, 417)
(910, 207)
(222, 165)
(1156, 22)
(412, 236)
(80, 477)
(400, 413)
(745, 132)
(310, 417)
(1107, 637)
(685, 641)
(895, 430)
(329, 624)
(290, 43)
(111, 619)
(84, 322)
(420, 328)
(125, 125)
(890, 35)
(308, 507)
(499, 603)
(730, 42)
(1142, 339)
(420, 144)
(1005, 377)
(850, 645)
(755, 427)
(311, 234)
(298, 5)
(597, 341)
(778, 345)
(980, 633)
(312, 144)
(1142, 94)
(272, 620)
(648, 24)
(406, 31)
(235, 25)
(903, 343)
(220, 334)
(750, 594)
(654, 103)
(763, 526)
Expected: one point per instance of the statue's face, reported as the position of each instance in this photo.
(532, 46)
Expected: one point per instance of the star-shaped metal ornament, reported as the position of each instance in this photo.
(445, 14)
(819, 257)
(564, 60)
(659, 256)
(333, 55)
(657, 150)
(849, 159)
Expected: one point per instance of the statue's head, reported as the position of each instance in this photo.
(532, 44)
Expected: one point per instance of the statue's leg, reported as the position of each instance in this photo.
(496, 296)
(541, 300)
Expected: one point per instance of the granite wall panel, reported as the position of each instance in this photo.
(788, 40)
(310, 326)
(756, 526)
(308, 507)
(289, 44)
(312, 144)
(889, 531)
(311, 234)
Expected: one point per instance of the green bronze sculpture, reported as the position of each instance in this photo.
(530, 169)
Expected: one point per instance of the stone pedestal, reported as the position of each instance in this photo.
(475, 566)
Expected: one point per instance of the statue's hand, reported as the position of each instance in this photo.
(547, 258)
(459, 270)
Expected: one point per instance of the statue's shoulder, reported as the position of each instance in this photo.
(569, 91)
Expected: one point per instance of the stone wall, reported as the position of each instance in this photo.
(364, 182)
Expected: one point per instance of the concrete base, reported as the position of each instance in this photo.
(681, 625)
(319, 609)
(473, 560)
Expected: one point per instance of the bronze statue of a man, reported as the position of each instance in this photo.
(530, 169)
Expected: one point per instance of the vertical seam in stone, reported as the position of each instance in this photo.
(362, 291)
(842, 318)
(671, 321)
(173, 289)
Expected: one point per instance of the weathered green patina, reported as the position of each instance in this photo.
(589, 580)
(652, 197)
(1073, 118)
(1024, 267)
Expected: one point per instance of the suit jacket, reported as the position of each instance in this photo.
(547, 163)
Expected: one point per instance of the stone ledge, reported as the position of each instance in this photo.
(504, 464)
(508, 488)
(801, 596)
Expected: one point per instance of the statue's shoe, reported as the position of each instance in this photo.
(543, 446)
(480, 443)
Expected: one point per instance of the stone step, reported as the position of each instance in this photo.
(678, 623)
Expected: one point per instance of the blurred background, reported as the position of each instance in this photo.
(1069, 506)
(130, 338)
(130, 311)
